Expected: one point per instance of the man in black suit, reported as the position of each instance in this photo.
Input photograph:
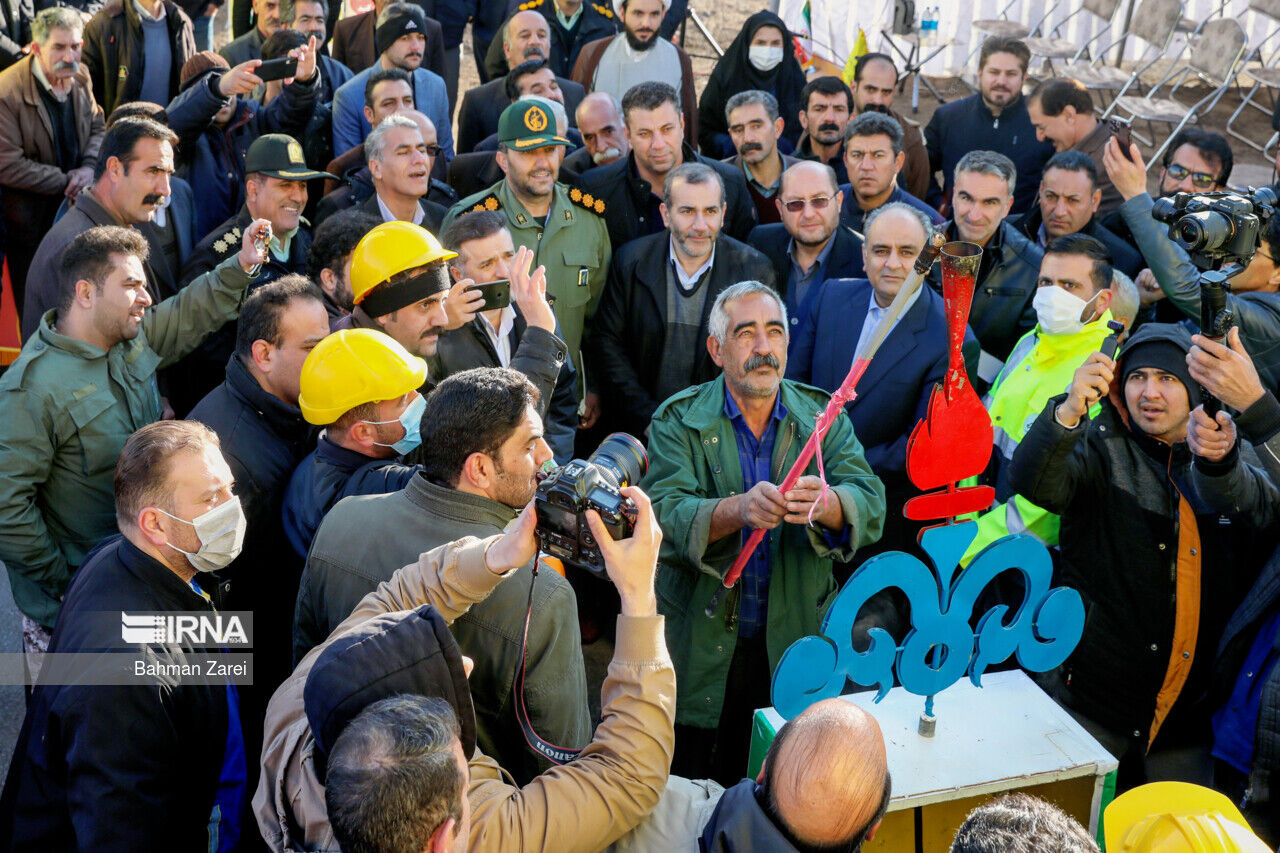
(649, 336)
(524, 41)
(809, 245)
(400, 166)
(631, 188)
(591, 21)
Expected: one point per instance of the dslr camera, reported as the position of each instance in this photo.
(1217, 228)
(566, 493)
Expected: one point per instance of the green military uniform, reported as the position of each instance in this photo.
(66, 408)
(573, 244)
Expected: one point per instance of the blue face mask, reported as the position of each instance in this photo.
(411, 420)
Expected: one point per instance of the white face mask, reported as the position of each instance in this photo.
(764, 58)
(221, 535)
(1057, 311)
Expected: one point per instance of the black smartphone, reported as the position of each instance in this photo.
(1120, 130)
(277, 69)
(497, 294)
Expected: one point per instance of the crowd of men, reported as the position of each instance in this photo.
(295, 347)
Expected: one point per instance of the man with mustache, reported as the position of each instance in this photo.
(571, 24)
(995, 119)
(400, 166)
(401, 44)
(249, 46)
(638, 54)
(525, 37)
(825, 107)
(647, 336)
(50, 133)
(355, 40)
(716, 452)
(874, 158)
(1061, 111)
(755, 127)
(875, 78)
(603, 138)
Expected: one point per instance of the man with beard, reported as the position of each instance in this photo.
(995, 119)
(712, 466)
(873, 156)
(525, 37)
(50, 133)
(482, 445)
(647, 338)
(355, 42)
(755, 127)
(614, 64)
(401, 44)
(604, 139)
(329, 261)
(826, 105)
(875, 78)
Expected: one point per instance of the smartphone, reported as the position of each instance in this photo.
(277, 69)
(1120, 130)
(497, 294)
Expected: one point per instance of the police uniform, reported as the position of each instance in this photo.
(596, 21)
(573, 244)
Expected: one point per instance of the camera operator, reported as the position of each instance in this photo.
(717, 450)
(1253, 299)
(482, 446)
(1246, 689)
(372, 766)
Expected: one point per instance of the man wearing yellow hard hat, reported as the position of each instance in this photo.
(1177, 817)
(399, 280)
(362, 387)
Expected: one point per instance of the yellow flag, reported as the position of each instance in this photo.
(859, 49)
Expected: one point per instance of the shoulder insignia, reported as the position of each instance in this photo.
(603, 10)
(531, 4)
(489, 202)
(586, 200)
(220, 245)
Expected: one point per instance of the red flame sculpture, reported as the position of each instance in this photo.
(954, 441)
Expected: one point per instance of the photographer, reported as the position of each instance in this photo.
(1246, 690)
(1253, 299)
(380, 801)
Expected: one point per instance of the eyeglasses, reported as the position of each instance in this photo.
(818, 202)
(435, 150)
(1199, 180)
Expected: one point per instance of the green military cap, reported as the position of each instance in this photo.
(278, 155)
(528, 124)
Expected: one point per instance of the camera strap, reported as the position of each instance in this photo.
(551, 752)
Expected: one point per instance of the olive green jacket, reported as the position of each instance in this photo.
(66, 408)
(573, 246)
(693, 455)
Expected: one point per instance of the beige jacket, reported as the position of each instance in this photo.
(583, 806)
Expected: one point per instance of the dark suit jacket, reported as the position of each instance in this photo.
(483, 106)
(433, 214)
(844, 261)
(471, 173)
(575, 164)
(893, 395)
(626, 199)
(629, 330)
(1124, 256)
(353, 43)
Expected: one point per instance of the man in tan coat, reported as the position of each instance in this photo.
(585, 805)
(50, 133)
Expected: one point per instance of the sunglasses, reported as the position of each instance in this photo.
(435, 150)
(1199, 180)
(819, 202)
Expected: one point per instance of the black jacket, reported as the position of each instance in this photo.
(626, 198)
(471, 173)
(596, 21)
(539, 355)
(113, 51)
(132, 767)
(628, 333)
(739, 824)
(1001, 311)
(967, 125)
(575, 164)
(482, 107)
(1123, 256)
(1118, 493)
(358, 187)
(773, 241)
(432, 213)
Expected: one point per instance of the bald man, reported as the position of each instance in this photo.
(604, 138)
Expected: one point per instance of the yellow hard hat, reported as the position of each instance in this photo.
(1177, 817)
(386, 252)
(352, 367)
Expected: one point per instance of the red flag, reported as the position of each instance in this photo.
(10, 336)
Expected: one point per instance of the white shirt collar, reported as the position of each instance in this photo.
(388, 216)
(147, 16)
(688, 281)
(501, 337)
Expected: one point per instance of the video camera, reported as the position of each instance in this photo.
(1220, 231)
(566, 493)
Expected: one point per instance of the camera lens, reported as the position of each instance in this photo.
(623, 457)
(1205, 231)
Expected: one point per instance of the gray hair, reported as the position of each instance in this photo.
(749, 97)
(1124, 298)
(875, 124)
(899, 207)
(556, 108)
(55, 18)
(1018, 823)
(375, 144)
(989, 163)
(289, 11)
(718, 323)
(691, 173)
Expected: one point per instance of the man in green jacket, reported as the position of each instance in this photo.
(717, 451)
(82, 384)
